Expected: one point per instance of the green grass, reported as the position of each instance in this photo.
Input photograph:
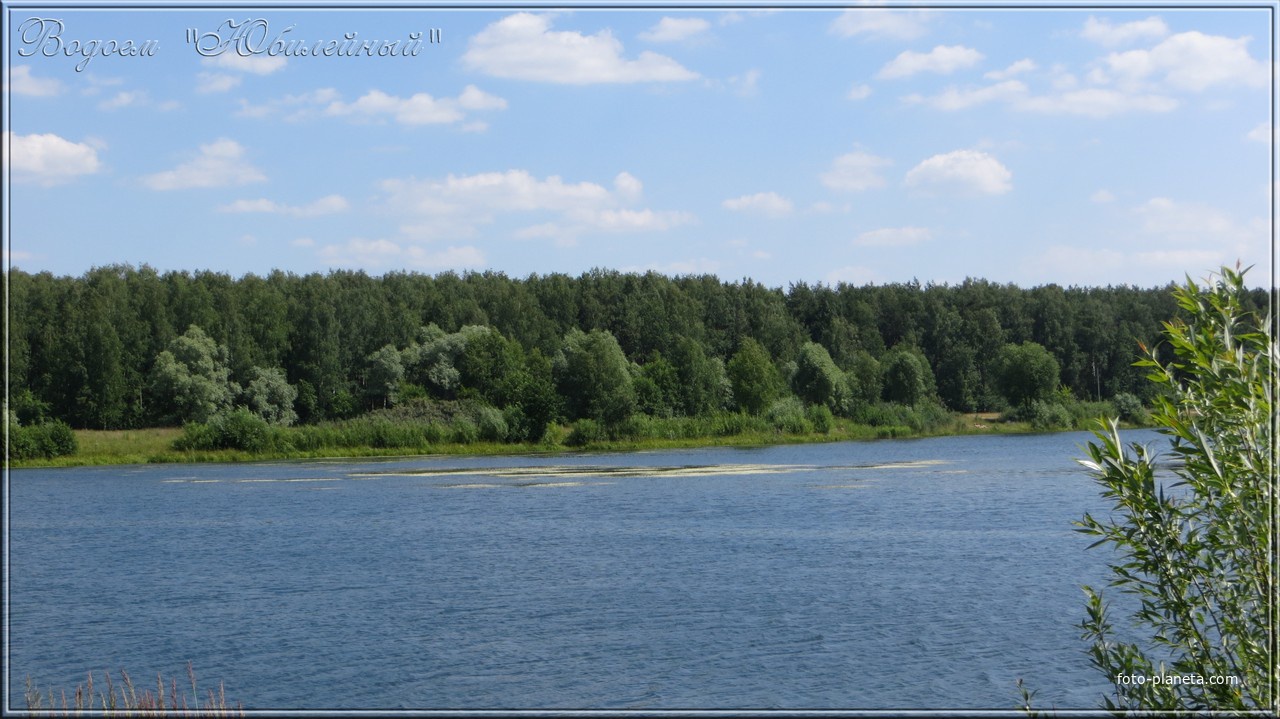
(155, 445)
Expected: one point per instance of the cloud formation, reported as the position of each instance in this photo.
(855, 172)
(671, 29)
(327, 205)
(943, 59)
(881, 23)
(769, 204)
(47, 159)
(22, 82)
(523, 47)
(220, 163)
(968, 172)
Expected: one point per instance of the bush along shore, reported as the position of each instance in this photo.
(425, 427)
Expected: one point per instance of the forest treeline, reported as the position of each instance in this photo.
(104, 350)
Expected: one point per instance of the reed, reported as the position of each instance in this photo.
(126, 699)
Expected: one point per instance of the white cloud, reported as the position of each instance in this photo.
(1104, 33)
(211, 82)
(48, 159)
(959, 99)
(893, 237)
(300, 106)
(1185, 222)
(124, 99)
(303, 242)
(219, 164)
(961, 171)
(859, 92)
(21, 82)
(1191, 61)
(855, 172)
(670, 29)
(327, 205)
(418, 109)
(1102, 197)
(523, 47)
(676, 268)
(943, 59)
(628, 188)
(1022, 66)
(769, 204)
(382, 253)
(856, 275)
(881, 23)
(457, 205)
(745, 84)
(255, 64)
(1261, 133)
(1097, 102)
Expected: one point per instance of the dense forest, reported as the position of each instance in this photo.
(124, 346)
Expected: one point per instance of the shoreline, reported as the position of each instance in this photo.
(154, 445)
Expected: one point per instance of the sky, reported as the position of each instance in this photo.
(1086, 146)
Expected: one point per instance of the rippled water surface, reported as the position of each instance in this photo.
(893, 574)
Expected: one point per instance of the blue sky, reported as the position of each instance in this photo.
(1085, 146)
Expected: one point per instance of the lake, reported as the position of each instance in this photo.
(895, 574)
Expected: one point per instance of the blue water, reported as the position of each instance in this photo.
(903, 574)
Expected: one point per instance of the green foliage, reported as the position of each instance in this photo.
(865, 379)
(1026, 372)
(271, 396)
(753, 378)
(1196, 551)
(1048, 416)
(698, 378)
(584, 432)
(593, 377)
(821, 418)
(787, 415)
(41, 441)
(817, 380)
(907, 376)
(491, 425)
(240, 428)
(383, 376)
(84, 349)
(1129, 408)
(191, 380)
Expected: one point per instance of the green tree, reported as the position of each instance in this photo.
(907, 376)
(754, 378)
(817, 380)
(269, 395)
(1199, 551)
(1026, 372)
(383, 374)
(593, 377)
(191, 380)
(698, 391)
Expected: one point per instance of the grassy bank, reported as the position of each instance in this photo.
(156, 445)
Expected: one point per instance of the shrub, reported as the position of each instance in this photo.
(1048, 416)
(1200, 557)
(239, 428)
(464, 431)
(787, 415)
(41, 441)
(584, 432)
(821, 418)
(490, 424)
(1129, 408)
